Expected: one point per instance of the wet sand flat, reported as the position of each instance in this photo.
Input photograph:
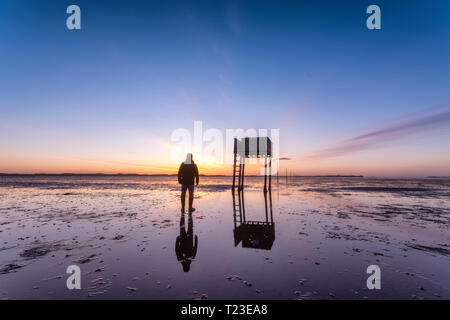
(122, 232)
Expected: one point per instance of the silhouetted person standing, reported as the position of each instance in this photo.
(186, 244)
(186, 174)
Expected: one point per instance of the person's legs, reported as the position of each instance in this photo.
(183, 196)
(191, 197)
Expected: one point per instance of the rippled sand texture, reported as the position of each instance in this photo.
(122, 232)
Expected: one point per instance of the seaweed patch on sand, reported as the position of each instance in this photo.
(39, 249)
(10, 267)
(429, 249)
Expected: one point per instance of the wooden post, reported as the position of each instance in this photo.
(270, 201)
(265, 205)
(234, 208)
(243, 173)
(265, 174)
(244, 218)
(270, 173)
(234, 170)
(240, 173)
(240, 208)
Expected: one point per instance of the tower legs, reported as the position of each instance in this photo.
(270, 173)
(265, 174)
(234, 171)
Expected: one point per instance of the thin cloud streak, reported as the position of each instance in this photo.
(374, 139)
(429, 122)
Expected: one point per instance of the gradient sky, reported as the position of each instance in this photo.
(347, 100)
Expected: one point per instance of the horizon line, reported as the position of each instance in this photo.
(160, 174)
(213, 175)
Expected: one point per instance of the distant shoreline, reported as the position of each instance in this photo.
(165, 175)
(203, 175)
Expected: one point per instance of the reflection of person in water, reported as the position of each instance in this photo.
(186, 244)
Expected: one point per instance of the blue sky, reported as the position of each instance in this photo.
(115, 90)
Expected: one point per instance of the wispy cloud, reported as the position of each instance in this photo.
(369, 140)
(233, 18)
(222, 51)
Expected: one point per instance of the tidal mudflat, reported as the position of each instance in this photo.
(124, 233)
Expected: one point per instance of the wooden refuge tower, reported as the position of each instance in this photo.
(251, 147)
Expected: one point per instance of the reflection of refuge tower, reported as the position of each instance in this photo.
(251, 147)
(253, 234)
